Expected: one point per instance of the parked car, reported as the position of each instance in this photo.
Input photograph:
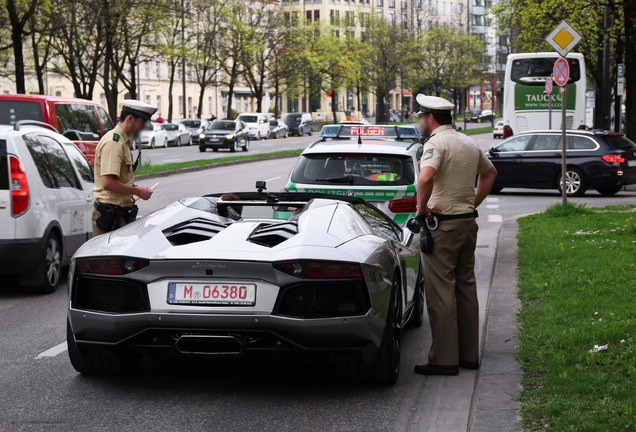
(46, 203)
(278, 129)
(599, 160)
(498, 130)
(257, 124)
(178, 134)
(229, 134)
(299, 124)
(480, 116)
(153, 136)
(82, 121)
(195, 127)
(208, 277)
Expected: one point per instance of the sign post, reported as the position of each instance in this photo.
(620, 87)
(563, 39)
(548, 91)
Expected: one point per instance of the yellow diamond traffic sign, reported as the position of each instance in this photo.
(563, 38)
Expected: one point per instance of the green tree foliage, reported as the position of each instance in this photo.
(443, 62)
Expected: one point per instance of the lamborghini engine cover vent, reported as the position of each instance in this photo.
(271, 235)
(192, 231)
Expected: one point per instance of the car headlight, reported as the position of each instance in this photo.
(229, 136)
(202, 136)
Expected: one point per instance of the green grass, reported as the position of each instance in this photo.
(148, 168)
(476, 131)
(577, 285)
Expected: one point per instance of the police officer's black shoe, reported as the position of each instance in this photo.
(429, 369)
(469, 365)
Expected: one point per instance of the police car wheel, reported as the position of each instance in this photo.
(152, 143)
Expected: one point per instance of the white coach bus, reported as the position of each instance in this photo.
(525, 103)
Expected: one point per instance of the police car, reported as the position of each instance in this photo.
(378, 163)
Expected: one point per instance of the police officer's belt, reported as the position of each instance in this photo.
(443, 217)
(110, 214)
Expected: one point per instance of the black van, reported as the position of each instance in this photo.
(299, 124)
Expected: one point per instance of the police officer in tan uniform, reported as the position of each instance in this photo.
(446, 200)
(115, 171)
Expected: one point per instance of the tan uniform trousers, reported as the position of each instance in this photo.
(97, 231)
(451, 293)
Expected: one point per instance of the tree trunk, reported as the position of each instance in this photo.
(39, 68)
(18, 58)
(170, 86)
(334, 105)
(629, 11)
(380, 107)
(230, 94)
(200, 106)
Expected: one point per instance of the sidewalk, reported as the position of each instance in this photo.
(484, 400)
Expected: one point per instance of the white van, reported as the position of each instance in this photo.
(46, 203)
(257, 124)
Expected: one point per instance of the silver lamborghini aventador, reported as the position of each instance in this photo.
(234, 274)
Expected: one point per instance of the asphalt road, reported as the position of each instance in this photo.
(40, 391)
(159, 156)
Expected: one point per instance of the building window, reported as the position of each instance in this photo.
(148, 99)
(392, 17)
(180, 103)
(379, 13)
(317, 15)
(403, 4)
(147, 69)
(350, 34)
(443, 8)
(350, 19)
(159, 103)
(158, 70)
(380, 3)
(334, 16)
(418, 4)
(210, 110)
(404, 19)
(460, 8)
(391, 3)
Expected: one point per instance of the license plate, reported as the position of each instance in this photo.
(213, 294)
(631, 163)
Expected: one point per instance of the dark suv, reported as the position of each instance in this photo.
(599, 160)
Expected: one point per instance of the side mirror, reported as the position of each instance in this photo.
(493, 151)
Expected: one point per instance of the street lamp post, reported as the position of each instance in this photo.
(183, 59)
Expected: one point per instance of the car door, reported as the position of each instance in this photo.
(84, 173)
(542, 161)
(508, 159)
(71, 209)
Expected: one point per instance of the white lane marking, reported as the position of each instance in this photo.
(272, 179)
(52, 352)
(492, 199)
(492, 206)
(495, 218)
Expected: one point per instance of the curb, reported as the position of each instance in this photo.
(495, 404)
(162, 174)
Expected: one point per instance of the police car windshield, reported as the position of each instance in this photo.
(354, 169)
(221, 125)
(170, 127)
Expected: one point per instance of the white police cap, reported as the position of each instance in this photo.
(138, 108)
(433, 104)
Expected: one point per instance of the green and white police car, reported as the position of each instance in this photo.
(378, 163)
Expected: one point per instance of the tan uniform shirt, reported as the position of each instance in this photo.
(113, 157)
(457, 160)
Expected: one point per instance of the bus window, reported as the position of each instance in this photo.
(534, 71)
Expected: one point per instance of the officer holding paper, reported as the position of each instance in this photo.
(115, 171)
